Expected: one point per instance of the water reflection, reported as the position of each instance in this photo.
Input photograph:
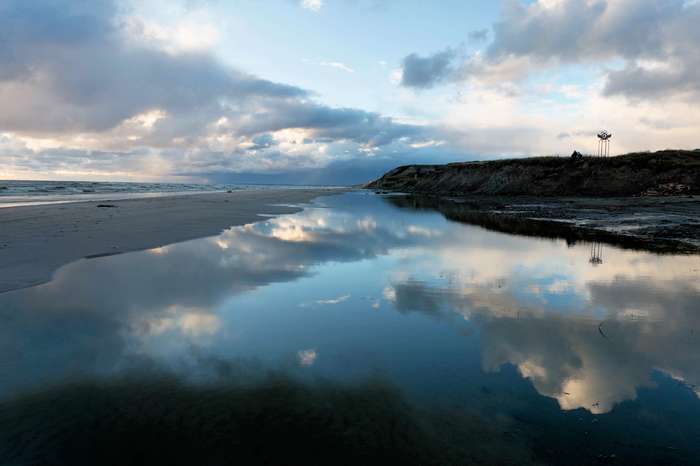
(355, 285)
(596, 254)
(97, 314)
(580, 360)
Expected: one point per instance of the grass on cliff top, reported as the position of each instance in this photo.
(639, 160)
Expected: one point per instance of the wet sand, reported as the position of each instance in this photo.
(37, 240)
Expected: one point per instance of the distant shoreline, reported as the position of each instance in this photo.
(38, 239)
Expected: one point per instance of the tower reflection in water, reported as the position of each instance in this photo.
(596, 254)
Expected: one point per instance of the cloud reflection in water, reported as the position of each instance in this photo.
(586, 336)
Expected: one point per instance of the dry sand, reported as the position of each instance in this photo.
(36, 240)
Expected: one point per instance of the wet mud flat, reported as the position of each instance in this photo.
(658, 224)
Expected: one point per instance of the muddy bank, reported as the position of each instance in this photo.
(657, 224)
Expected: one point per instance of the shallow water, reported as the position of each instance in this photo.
(566, 353)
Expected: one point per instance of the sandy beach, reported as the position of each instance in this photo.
(36, 240)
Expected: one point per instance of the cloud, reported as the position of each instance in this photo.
(90, 77)
(91, 90)
(639, 82)
(639, 32)
(263, 141)
(479, 35)
(655, 41)
(426, 72)
(547, 30)
(68, 66)
(307, 357)
(337, 300)
(337, 65)
(312, 5)
(531, 83)
(327, 123)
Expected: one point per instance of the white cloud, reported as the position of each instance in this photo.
(192, 322)
(312, 5)
(337, 300)
(307, 357)
(389, 293)
(196, 32)
(337, 65)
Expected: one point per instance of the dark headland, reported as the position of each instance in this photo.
(647, 173)
(640, 200)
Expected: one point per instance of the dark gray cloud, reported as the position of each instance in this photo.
(328, 123)
(576, 30)
(556, 32)
(67, 66)
(425, 72)
(663, 32)
(479, 35)
(680, 77)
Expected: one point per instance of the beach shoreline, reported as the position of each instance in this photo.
(36, 240)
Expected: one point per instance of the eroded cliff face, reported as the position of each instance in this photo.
(668, 172)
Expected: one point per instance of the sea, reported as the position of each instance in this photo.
(15, 193)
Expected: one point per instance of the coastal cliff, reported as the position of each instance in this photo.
(668, 172)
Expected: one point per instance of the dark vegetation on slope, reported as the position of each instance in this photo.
(668, 172)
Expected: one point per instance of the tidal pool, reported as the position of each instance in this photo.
(489, 348)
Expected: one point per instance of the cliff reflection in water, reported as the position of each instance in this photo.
(357, 285)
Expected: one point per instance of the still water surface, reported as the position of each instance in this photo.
(577, 354)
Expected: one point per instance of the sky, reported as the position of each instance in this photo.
(335, 91)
